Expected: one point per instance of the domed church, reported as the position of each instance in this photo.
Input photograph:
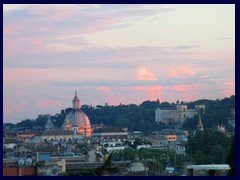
(77, 120)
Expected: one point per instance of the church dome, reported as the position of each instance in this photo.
(77, 119)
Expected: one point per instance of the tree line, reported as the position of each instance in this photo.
(141, 117)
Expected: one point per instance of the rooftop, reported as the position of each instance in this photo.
(209, 167)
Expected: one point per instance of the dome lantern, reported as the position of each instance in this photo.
(76, 102)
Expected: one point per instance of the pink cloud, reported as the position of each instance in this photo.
(65, 11)
(12, 106)
(38, 43)
(181, 88)
(47, 103)
(12, 28)
(103, 88)
(153, 96)
(204, 76)
(7, 30)
(144, 74)
(8, 110)
(150, 92)
(229, 88)
(147, 88)
(14, 46)
(230, 84)
(13, 76)
(173, 73)
(94, 102)
(112, 20)
(182, 71)
(186, 71)
(114, 99)
(229, 93)
(21, 106)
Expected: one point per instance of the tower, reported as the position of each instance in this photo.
(76, 102)
(200, 124)
(158, 115)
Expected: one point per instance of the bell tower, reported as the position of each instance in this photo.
(200, 124)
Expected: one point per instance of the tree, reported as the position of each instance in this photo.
(216, 155)
(208, 146)
(165, 104)
(137, 142)
(232, 158)
(124, 155)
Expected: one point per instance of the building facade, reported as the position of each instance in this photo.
(178, 115)
(59, 135)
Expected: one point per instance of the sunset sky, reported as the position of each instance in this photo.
(115, 54)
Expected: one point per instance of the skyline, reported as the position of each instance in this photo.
(114, 54)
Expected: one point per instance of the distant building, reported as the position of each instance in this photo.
(221, 128)
(176, 116)
(49, 124)
(60, 135)
(200, 124)
(111, 136)
(169, 139)
(231, 119)
(26, 135)
(77, 120)
(208, 170)
(109, 147)
(51, 168)
(200, 107)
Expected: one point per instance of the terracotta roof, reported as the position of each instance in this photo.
(26, 133)
(83, 165)
(57, 133)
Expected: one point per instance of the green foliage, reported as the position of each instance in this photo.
(217, 113)
(142, 117)
(208, 146)
(83, 145)
(124, 155)
(137, 142)
(231, 158)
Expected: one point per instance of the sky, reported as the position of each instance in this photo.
(114, 54)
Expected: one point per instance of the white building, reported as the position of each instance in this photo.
(113, 146)
(178, 115)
